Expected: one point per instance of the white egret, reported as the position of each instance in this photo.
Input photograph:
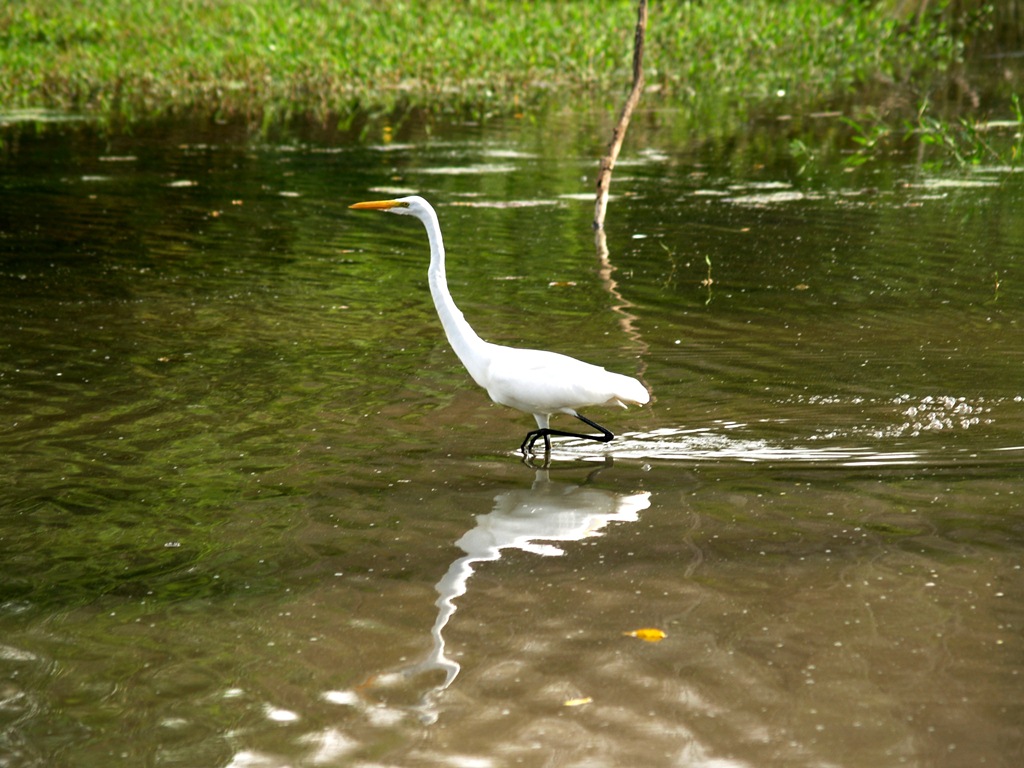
(530, 380)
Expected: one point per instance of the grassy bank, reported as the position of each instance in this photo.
(271, 59)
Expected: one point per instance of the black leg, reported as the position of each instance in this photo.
(531, 437)
(606, 434)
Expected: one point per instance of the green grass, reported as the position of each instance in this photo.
(271, 59)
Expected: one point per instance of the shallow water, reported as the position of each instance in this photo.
(255, 514)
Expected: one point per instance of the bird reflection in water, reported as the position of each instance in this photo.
(532, 520)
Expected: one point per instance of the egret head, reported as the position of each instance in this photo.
(410, 206)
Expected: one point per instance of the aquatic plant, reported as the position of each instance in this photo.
(962, 140)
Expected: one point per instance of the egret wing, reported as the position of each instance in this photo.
(537, 381)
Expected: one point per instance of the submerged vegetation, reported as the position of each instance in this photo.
(965, 141)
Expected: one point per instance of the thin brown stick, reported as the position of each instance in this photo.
(627, 320)
(604, 177)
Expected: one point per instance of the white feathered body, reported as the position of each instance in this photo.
(545, 383)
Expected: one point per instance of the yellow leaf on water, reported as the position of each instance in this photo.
(577, 702)
(648, 635)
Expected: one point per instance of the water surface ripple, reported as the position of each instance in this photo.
(255, 515)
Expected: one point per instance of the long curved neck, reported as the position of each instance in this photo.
(469, 347)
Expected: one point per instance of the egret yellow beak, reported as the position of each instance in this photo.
(379, 205)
